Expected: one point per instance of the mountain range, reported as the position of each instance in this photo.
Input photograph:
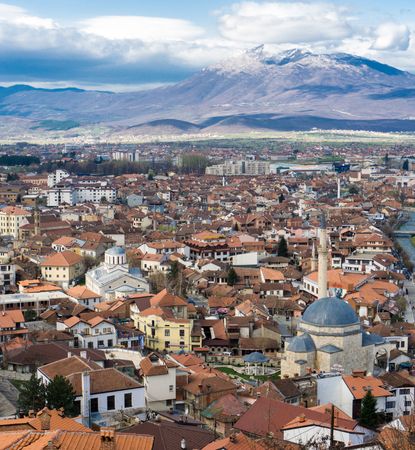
(294, 90)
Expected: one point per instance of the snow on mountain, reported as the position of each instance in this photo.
(253, 85)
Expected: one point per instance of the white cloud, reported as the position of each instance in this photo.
(392, 36)
(19, 16)
(148, 29)
(278, 22)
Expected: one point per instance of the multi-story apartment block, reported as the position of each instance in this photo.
(11, 219)
(242, 167)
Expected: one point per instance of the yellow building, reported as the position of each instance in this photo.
(63, 268)
(11, 219)
(162, 333)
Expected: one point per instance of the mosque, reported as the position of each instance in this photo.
(329, 335)
(113, 278)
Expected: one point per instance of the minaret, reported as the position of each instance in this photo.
(322, 259)
(36, 221)
(314, 259)
(339, 195)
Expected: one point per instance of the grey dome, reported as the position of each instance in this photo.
(115, 251)
(330, 312)
(301, 344)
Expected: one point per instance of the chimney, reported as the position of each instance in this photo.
(51, 446)
(69, 354)
(44, 419)
(83, 354)
(183, 444)
(301, 418)
(107, 438)
(86, 394)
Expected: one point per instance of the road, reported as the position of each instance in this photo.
(410, 299)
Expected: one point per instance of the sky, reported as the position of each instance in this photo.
(137, 44)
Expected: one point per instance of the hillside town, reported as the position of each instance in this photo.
(248, 302)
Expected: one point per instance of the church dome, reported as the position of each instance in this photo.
(115, 251)
(301, 344)
(330, 312)
(115, 256)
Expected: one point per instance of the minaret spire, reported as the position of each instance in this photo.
(322, 258)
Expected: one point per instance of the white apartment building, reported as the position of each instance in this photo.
(242, 167)
(7, 277)
(73, 194)
(11, 219)
(56, 177)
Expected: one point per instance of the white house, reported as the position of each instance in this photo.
(402, 400)
(100, 393)
(348, 391)
(94, 333)
(159, 376)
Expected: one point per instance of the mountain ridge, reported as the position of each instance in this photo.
(299, 84)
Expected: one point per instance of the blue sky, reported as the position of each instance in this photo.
(134, 44)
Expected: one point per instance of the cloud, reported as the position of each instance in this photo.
(148, 29)
(392, 36)
(137, 50)
(278, 22)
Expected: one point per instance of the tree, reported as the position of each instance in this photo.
(281, 198)
(353, 189)
(176, 280)
(282, 247)
(232, 277)
(157, 282)
(32, 395)
(405, 165)
(60, 394)
(386, 159)
(29, 315)
(368, 413)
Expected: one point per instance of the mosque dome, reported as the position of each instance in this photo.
(330, 312)
(301, 344)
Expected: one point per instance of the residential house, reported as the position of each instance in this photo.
(63, 268)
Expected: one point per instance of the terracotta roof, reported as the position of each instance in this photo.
(168, 436)
(359, 386)
(82, 292)
(70, 440)
(46, 419)
(63, 259)
(103, 380)
(68, 366)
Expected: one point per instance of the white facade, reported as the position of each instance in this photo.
(102, 335)
(160, 390)
(113, 278)
(317, 437)
(7, 277)
(56, 177)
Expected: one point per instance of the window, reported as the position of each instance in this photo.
(171, 388)
(402, 344)
(94, 405)
(181, 333)
(167, 344)
(390, 405)
(404, 391)
(408, 403)
(100, 343)
(181, 343)
(128, 400)
(166, 332)
(110, 344)
(110, 402)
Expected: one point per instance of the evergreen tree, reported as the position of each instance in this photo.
(282, 247)
(405, 165)
(60, 394)
(368, 413)
(353, 189)
(281, 198)
(32, 395)
(232, 277)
